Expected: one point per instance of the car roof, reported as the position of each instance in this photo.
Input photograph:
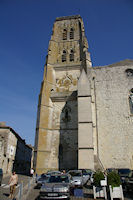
(59, 175)
(75, 170)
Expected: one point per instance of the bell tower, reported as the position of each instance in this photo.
(56, 140)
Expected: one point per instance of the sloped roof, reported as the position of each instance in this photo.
(14, 132)
(126, 62)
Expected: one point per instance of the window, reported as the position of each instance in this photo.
(131, 101)
(71, 34)
(64, 56)
(64, 34)
(66, 115)
(129, 72)
(71, 57)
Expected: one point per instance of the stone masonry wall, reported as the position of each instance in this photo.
(114, 120)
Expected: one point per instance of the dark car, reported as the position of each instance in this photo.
(108, 170)
(1, 175)
(42, 179)
(57, 187)
(129, 182)
(124, 173)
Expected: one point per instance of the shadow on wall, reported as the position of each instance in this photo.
(68, 141)
(22, 162)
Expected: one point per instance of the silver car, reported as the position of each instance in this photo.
(76, 178)
(57, 187)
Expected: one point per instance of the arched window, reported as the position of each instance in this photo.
(71, 34)
(71, 56)
(131, 101)
(64, 56)
(64, 34)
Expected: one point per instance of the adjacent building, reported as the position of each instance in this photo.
(15, 154)
(85, 113)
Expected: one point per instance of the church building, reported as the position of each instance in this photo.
(85, 113)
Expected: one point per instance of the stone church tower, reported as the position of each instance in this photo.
(58, 125)
(85, 113)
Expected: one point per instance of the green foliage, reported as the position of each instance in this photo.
(113, 179)
(98, 176)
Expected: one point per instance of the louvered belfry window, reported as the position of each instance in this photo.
(64, 56)
(64, 34)
(71, 55)
(71, 34)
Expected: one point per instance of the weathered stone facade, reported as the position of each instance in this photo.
(112, 85)
(84, 118)
(15, 154)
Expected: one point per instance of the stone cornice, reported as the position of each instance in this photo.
(68, 17)
(60, 67)
(63, 96)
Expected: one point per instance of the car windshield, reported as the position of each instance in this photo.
(124, 171)
(43, 178)
(43, 175)
(59, 179)
(74, 173)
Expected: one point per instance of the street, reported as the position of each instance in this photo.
(87, 191)
(4, 188)
(34, 193)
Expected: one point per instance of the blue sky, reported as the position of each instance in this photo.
(25, 30)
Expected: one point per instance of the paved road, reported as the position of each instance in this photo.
(87, 190)
(4, 188)
(34, 195)
(88, 194)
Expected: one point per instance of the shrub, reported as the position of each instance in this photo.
(113, 179)
(98, 176)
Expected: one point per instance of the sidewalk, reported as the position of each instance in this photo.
(24, 184)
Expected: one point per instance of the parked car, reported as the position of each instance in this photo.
(1, 176)
(86, 175)
(124, 173)
(129, 182)
(57, 187)
(53, 172)
(42, 179)
(91, 179)
(108, 170)
(76, 178)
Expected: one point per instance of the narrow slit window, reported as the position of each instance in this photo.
(71, 55)
(131, 101)
(64, 56)
(64, 34)
(71, 34)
